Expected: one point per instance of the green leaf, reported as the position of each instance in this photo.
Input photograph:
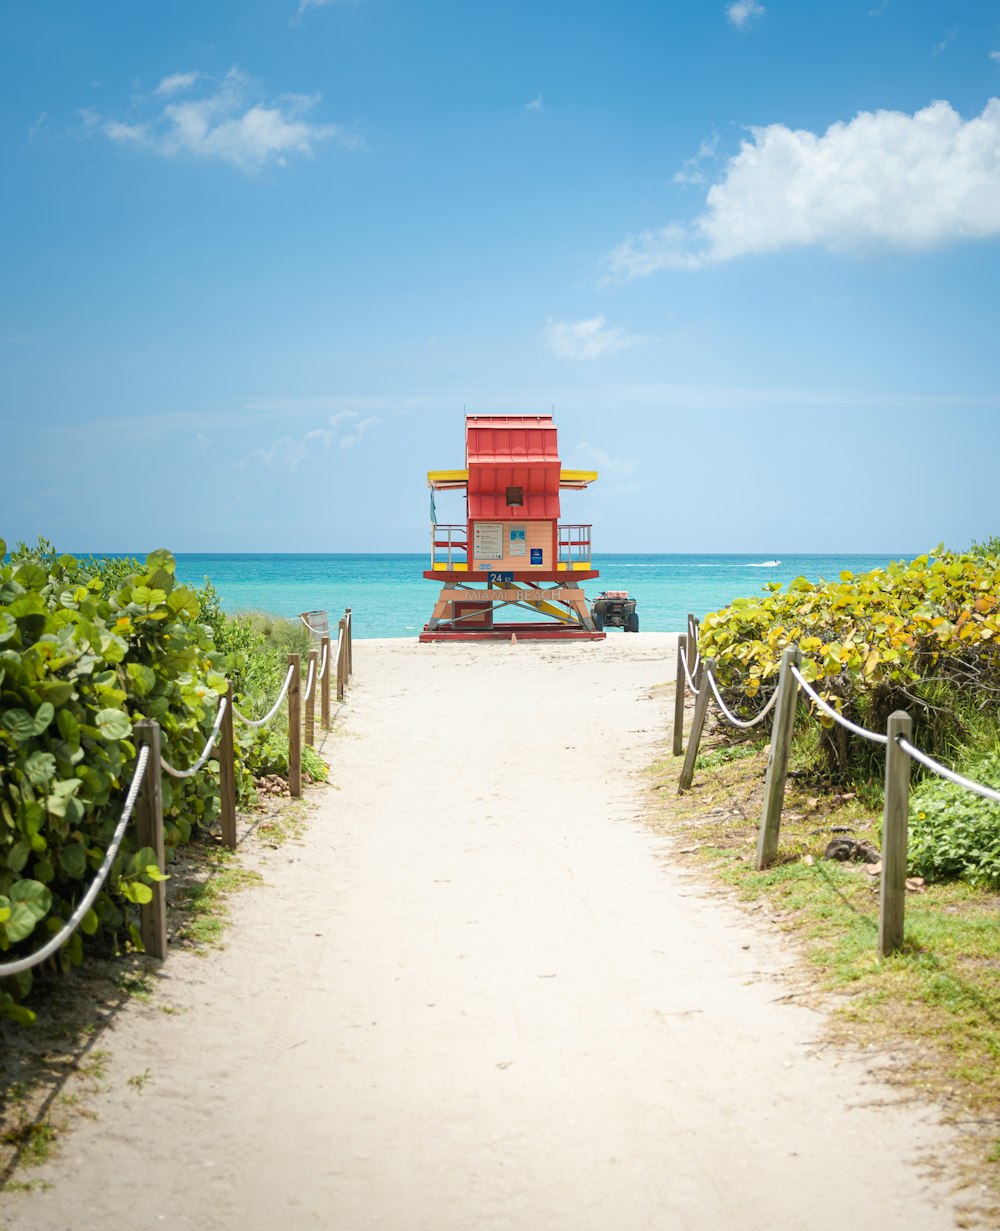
(32, 894)
(57, 692)
(69, 728)
(40, 767)
(8, 625)
(161, 558)
(73, 860)
(89, 922)
(32, 576)
(21, 923)
(18, 854)
(30, 604)
(18, 724)
(44, 871)
(137, 892)
(113, 724)
(143, 678)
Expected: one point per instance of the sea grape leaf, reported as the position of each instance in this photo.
(113, 724)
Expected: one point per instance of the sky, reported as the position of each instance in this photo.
(258, 258)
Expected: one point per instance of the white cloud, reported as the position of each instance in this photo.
(742, 12)
(535, 104)
(228, 123)
(343, 430)
(305, 5)
(176, 82)
(995, 55)
(882, 179)
(587, 339)
(691, 172)
(34, 129)
(585, 456)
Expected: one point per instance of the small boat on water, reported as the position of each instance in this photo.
(765, 564)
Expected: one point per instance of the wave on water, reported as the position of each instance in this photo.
(765, 564)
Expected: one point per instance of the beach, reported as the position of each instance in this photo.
(481, 992)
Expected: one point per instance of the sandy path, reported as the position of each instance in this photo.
(477, 998)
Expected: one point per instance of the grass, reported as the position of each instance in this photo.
(201, 899)
(935, 1005)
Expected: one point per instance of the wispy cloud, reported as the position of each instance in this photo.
(886, 178)
(226, 121)
(176, 82)
(306, 5)
(584, 456)
(587, 339)
(945, 43)
(34, 128)
(692, 171)
(742, 12)
(995, 55)
(535, 104)
(343, 431)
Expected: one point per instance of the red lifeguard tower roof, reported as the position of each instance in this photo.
(505, 451)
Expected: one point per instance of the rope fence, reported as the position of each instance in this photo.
(56, 942)
(698, 677)
(144, 797)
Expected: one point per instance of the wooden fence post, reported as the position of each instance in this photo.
(149, 832)
(295, 727)
(895, 818)
(311, 700)
(324, 704)
(341, 657)
(777, 761)
(681, 688)
(350, 643)
(226, 756)
(694, 738)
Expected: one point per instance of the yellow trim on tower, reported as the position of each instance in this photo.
(447, 478)
(578, 478)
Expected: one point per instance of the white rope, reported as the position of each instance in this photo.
(76, 918)
(691, 684)
(326, 656)
(320, 632)
(929, 763)
(206, 752)
(309, 679)
(260, 722)
(835, 714)
(739, 722)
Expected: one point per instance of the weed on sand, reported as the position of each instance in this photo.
(935, 1006)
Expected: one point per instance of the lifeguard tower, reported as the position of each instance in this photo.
(511, 552)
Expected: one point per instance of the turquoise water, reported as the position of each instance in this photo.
(389, 597)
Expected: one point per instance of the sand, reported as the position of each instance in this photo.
(481, 995)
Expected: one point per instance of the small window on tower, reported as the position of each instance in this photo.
(515, 495)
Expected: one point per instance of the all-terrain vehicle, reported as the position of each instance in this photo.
(615, 609)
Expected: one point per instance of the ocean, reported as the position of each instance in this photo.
(389, 597)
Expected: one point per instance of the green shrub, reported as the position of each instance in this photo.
(954, 833)
(80, 662)
(922, 635)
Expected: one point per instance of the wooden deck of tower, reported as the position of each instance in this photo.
(511, 551)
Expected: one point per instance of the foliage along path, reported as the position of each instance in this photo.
(479, 995)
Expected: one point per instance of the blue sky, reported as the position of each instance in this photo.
(259, 256)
